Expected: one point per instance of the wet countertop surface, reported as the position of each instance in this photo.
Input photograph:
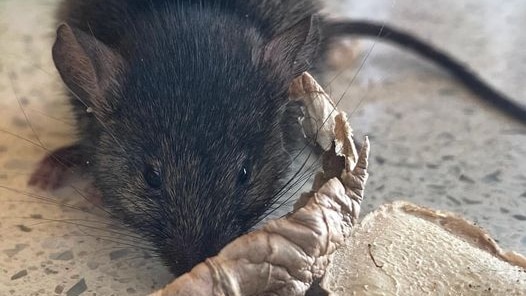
(433, 143)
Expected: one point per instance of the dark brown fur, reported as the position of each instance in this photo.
(194, 91)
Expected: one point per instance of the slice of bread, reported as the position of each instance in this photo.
(404, 249)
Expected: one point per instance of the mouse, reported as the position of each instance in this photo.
(182, 114)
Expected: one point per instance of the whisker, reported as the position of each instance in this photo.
(138, 244)
(10, 172)
(284, 202)
(24, 139)
(40, 112)
(76, 189)
(144, 248)
(86, 226)
(50, 220)
(50, 200)
(77, 97)
(28, 122)
(305, 176)
(141, 257)
(93, 203)
(296, 174)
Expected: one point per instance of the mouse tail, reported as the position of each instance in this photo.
(333, 30)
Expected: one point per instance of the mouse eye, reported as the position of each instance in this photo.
(243, 176)
(152, 177)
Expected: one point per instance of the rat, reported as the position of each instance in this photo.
(182, 111)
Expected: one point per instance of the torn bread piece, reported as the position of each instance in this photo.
(286, 255)
(404, 249)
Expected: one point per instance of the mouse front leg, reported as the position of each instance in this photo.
(53, 170)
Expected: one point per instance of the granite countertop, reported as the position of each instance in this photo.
(433, 143)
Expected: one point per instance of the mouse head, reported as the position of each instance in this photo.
(189, 148)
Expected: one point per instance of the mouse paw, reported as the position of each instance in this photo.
(53, 170)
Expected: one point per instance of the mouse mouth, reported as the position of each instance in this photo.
(182, 257)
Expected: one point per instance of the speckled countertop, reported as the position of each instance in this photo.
(433, 143)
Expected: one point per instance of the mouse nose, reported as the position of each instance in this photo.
(185, 257)
(185, 261)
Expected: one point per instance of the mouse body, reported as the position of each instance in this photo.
(182, 110)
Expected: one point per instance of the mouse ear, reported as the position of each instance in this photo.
(296, 47)
(86, 65)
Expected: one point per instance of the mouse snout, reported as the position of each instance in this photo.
(182, 257)
(185, 260)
